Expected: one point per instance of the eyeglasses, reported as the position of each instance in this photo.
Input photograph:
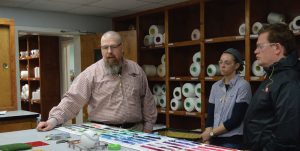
(227, 63)
(112, 47)
(262, 46)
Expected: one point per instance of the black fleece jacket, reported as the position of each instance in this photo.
(272, 121)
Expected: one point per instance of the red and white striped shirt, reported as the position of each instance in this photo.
(112, 99)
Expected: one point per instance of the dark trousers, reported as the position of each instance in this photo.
(235, 142)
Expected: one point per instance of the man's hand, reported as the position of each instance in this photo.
(47, 126)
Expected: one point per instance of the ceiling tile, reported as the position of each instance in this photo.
(119, 4)
(147, 7)
(76, 1)
(14, 3)
(169, 2)
(51, 5)
(90, 10)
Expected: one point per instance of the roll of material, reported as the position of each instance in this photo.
(158, 39)
(148, 40)
(37, 72)
(198, 104)
(256, 27)
(162, 101)
(163, 88)
(150, 70)
(257, 70)
(275, 18)
(188, 90)
(213, 70)
(296, 23)
(189, 104)
(198, 90)
(195, 69)
(24, 74)
(161, 70)
(242, 30)
(177, 93)
(244, 70)
(155, 29)
(195, 34)
(157, 89)
(176, 104)
(156, 99)
(89, 139)
(197, 57)
(163, 59)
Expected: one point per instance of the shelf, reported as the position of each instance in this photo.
(255, 78)
(184, 43)
(215, 78)
(224, 39)
(184, 113)
(153, 47)
(35, 101)
(184, 78)
(161, 110)
(155, 79)
(28, 58)
(30, 79)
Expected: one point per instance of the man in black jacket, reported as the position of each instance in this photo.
(272, 122)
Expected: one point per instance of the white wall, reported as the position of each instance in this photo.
(51, 23)
(43, 19)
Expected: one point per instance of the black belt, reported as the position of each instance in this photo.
(124, 125)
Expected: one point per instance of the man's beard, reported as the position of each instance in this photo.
(113, 68)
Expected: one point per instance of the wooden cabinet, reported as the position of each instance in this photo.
(39, 71)
(8, 97)
(219, 24)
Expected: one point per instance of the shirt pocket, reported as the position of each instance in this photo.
(105, 87)
(133, 87)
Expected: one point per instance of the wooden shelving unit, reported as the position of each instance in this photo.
(49, 79)
(218, 22)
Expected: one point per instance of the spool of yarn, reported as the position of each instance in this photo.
(163, 59)
(89, 139)
(161, 70)
(198, 104)
(189, 104)
(157, 89)
(275, 18)
(195, 34)
(213, 70)
(177, 93)
(296, 23)
(150, 70)
(176, 104)
(242, 30)
(162, 101)
(198, 90)
(158, 39)
(188, 90)
(257, 70)
(256, 27)
(148, 40)
(195, 69)
(197, 57)
(155, 29)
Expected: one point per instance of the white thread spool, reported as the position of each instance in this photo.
(89, 139)
(257, 70)
(195, 34)
(242, 30)
(177, 93)
(195, 69)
